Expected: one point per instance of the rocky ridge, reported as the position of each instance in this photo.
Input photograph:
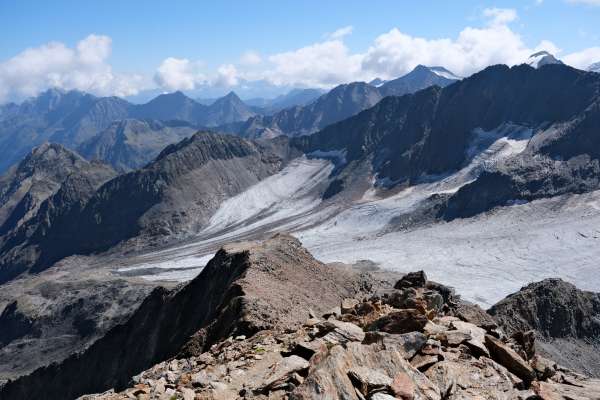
(417, 340)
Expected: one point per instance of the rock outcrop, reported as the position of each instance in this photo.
(566, 320)
(245, 289)
(255, 325)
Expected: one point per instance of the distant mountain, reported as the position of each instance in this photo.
(429, 133)
(594, 67)
(74, 118)
(226, 110)
(419, 78)
(341, 102)
(130, 143)
(68, 118)
(175, 194)
(296, 97)
(377, 82)
(170, 106)
(542, 58)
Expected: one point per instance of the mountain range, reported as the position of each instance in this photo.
(340, 103)
(494, 176)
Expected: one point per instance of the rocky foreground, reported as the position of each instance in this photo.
(268, 321)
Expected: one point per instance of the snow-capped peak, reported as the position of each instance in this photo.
(594, 67)
(444, 73)
(377, 82)
(541, 58)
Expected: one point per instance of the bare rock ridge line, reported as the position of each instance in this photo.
(267, 321)
(246, 288)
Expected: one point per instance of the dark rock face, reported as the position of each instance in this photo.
(412, 279)
(130, 144)
(176, 193)
(567, 321)
(245, 288)
(428, 133)
(341, 102)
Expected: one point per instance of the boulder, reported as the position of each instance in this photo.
(281, 373)
(473, 379)
(369, 380)
(328, 377)
(338, 332)
(408, 344)
(402, 321)
(509, 358)
(412, 279)
(477, 341)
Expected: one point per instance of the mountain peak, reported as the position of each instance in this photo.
(542, 58)
(594, 67)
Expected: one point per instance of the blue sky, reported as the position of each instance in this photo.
(233, 36)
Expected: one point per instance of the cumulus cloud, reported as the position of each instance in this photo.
(54, 64)
(500, 16)
(583, 59)
(179, 74)
(251, 57)
(340, 33)
(319, 65)
(227, 76)
(395, 53)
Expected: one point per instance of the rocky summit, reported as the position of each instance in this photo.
(267, 321)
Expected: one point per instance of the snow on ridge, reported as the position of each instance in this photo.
(286, 194)
(444, 73)
(337, 156)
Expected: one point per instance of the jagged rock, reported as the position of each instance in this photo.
(412, 279)
(475, 315)
(588, 389)
(403, 387)
(473, 379)
(424, 361)
(369, 380)
(454, 338)
(477, 341)
(382, 396)
(408, 344)
(507, 357)
(543, 367)
(337, 332)
(402, 321)
(281, 373)
(348, 305)
(329, 374)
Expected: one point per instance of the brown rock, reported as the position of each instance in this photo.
(424, 361)
(348, 305)
(408, 344)
(402, 321)
(509, 358)
(403, 387)
(412, 279)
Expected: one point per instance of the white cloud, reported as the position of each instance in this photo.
(340, 33)
(179, 74)
(251, 57)
(395, 53)
(319, 65)
(55, 65)
(227, 75)
(500, 16)
(583, 59)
